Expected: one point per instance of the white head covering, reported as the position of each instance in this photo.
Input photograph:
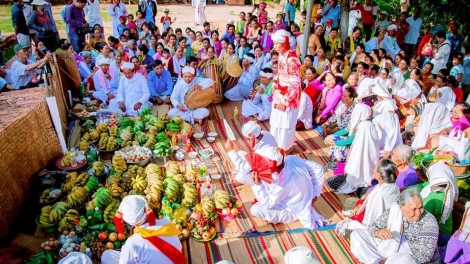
(441, 174)
(447, 97)
(401, 258)
(300, 255)
(409, 91)
(251, 128)
(106, 61)
(132, 208)
(224, 262)
(392, 27)
(360, 113)
(464, 231)
(399, 80)
(127, 65)
(187, 69)
(389, 135)
(280, 36)
(76, 258)
(266, 74)
(379, 89)
(434, 119)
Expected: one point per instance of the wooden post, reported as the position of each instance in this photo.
(307, 29)
(343, 30)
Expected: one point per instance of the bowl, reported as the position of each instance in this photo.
(54, 194)
(192, 154)
(174, 148)
(216, 177)
(206, 153)
(103, 176)
(210, 139)
(212, 134)
(179, 155)
(198, 136)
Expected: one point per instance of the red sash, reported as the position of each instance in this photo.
(168, 250)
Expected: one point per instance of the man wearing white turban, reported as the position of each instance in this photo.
(258, 105)
(76, 258)
(133, 92)
(300, 255)
(390, 41)
(153, 241)
(106, 81)
(249, 75)
(286, 93)
(188, 83)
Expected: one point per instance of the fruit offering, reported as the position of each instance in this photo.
(154, 188)
(77, 197)
(83, 146)
(119, 163)
(171, 189)
(91, 185)
(66, 160)
(102, 197)
(208, 208)
(189, 195)
(110, 211)
(179, 218)
(135, 153)
(69, 220)
(97, 168)
(50, 244)
(203, 229)
(97, 248)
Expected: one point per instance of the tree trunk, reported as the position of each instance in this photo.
(405, 5)
(344, 19)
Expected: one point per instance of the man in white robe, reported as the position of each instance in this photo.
(300, 255)
(182, 87)
(106, 81)
(116, 9)
(76, 258)
(199, 11)
(153, 241)
(258, 105)
(133, 92)
(249, 75)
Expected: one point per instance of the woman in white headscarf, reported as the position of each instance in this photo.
(396, 80)
(388, 129)
(446, 96)
(384, 102)
(433, 122)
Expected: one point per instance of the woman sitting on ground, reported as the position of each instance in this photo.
(330, 96)
(320, 62)
(343, 111)
(308, 62)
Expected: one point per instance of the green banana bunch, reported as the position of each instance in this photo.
(171, 189)
(102, 197)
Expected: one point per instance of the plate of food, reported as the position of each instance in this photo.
(64, 163)
(136, 155)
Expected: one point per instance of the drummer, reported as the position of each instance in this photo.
(249, 74)
(229, 58)
(188, 83)
(258, 105)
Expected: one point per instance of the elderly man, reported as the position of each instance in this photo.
(441, 52)
(405, 228)
(182, 87)
(152, 242)
(249, 74)
(390, 43)
(22, 69)
(160, 83)
(133, 92)
(106, 81)
(258, 105)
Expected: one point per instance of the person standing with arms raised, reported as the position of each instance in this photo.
(286, 92)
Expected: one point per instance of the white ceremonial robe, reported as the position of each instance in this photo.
(388, 130)
(101, 93)
(242, 89)
(283, 127)
(177, 97)
(199, 11)
(131, 91)
(289, 197)
(92, 11)
(139, 250)
(260, 105)
(306, 111)
(120, 10)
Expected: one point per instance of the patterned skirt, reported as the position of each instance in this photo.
(337, 153)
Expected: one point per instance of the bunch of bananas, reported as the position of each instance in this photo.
(69, 221)
(113, 131)
(102, 197)
(84, 146)
(94, 134)
(172, 168)
(189, 195)
(171, 189)
(45, 196)
(208, 206)
(173, 127)
(77, 197)
(82, 179)
(113, 179)
(115, 190)
(126, 134)
(86, 136)
(70, 180)
(154, 190)
(127, 178)
(165, 118)
(152, 168)
(150, 143)
(178, 120)
(119, 163)
(221, 198)
(97, 168)
(107, 143)
(139, 184)
(103, 140)
(57, 211)
(153, 130)
(110, 211)
(66, 160)
(125, 144)
(44, 219)
(90, 206)
(179, 178)
(102, 127)
(91, 185)
(192, 173)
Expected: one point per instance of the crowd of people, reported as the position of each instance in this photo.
(392, 87)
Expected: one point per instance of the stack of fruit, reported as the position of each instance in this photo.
(227, 205)
(203, 229)
(69, 220)
(50, 244)
(77, 197)
(163, 146)
(154, 189)
(97, 168)
(46, 196)
(102, 197)
(69, 243)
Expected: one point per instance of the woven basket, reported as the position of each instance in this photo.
(68, 70)
(460, 171)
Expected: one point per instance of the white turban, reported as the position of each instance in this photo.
(265, 74)
(188, 69)
(280, 36)
(104, 61)
(132, 208)
(300, 255)
(76, 258)
(127, 65)
(251, 128)
(392, 27)
(272, 153)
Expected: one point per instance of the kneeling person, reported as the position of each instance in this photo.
(258, 105)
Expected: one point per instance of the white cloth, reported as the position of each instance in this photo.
(441, 174)
(362, 157)
(259, 105)
(115, 13)
(251, 128)
(300, 255)
(441, 57)
(306, 111)
(360, 113)
(280, 36)
(409, 91)
(389, 130)
(316, 171)
(379, 200)
(92, 11)
(131, 91)
(446, 96)
(242, 89)
(199, 11)
(289, 199)
(140, 250)
(177, 63)
(434, 119)
(384, 105)
(177, 97)
(76, 258)
(395, 226)
(283, 127)
(399, 81)
(353, 18)
(365, 86)
(132, 208)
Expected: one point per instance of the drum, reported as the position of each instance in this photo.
(212, 71)
(231, 76)
(199, 99)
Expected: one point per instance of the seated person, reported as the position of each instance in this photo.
(407, 176)
(106, 82)
(330, 96)
(458, 248)
(23, 70)
(160, 83)
(406, 228)
(461, 117)
(303, 255)
(139, 68)
(371, 206)
(133, 92)
(249, 74)
(258, 104)
(209, 58)
(343, 111)
(182, 87)
(305, 114)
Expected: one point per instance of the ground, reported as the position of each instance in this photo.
(218, 15)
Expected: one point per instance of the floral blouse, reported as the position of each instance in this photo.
(342, 116)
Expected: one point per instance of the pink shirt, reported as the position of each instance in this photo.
(332, 97)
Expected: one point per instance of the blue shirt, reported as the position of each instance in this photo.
(231, 39)
(291, 9)
(160, 85)
(120, 29)
(466, 70)
(149, 12)
(333, 13)
(455, 72)
(19, 20)
(371, 44)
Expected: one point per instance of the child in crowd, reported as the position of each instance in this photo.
(145, 33)
(328, 27)
(166, 20)
(166, 58)
(139, 21)
(279, 23)
(240, 27)
(123, 39)
(125, 55)
(131, 25)
(451, 82)
(457, 69)
(303, 20)
(122, 24)
(249, 17)
(262, 13)
(131, 48)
